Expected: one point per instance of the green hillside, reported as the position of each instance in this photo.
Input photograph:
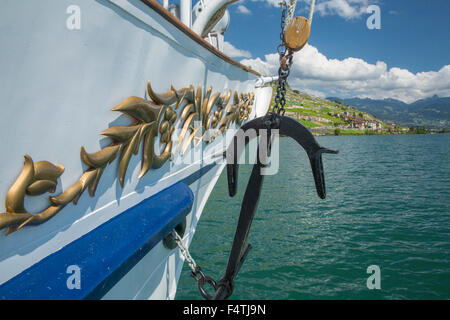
(325, 117)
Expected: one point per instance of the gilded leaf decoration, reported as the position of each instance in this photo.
(153, 118)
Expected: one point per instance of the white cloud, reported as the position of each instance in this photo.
(244, 10)
(313, 72)
(274, 3)
(347, 9)
(234, 52)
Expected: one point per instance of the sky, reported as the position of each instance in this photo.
(408, 58)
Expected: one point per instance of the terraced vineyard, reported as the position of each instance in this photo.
(325, 117)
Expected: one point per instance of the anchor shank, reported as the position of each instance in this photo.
(248, 210)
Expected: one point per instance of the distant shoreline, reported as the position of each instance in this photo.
(334, 118)
(376, 134)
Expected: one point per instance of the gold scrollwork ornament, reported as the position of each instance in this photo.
(152, 118)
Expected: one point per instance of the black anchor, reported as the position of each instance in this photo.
(288, 127)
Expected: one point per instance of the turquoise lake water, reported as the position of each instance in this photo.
(388, 204)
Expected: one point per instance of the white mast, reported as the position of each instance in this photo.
(185, 12)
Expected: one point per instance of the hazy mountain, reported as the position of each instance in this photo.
(429, 112)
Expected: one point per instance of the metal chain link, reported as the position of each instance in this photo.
(184, 251)
(281, 47)
(196, 271)
(285, 64)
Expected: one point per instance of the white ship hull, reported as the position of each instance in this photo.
(58, 86)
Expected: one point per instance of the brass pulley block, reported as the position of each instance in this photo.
(296, 33)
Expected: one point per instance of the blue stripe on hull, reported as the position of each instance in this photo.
(106, 253)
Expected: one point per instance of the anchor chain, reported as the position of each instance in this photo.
(196, 270)
(285, 57)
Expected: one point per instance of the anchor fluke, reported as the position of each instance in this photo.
(317, 169)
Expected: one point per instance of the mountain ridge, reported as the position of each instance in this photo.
(432, 112)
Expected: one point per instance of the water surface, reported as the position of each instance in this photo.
(388, 204)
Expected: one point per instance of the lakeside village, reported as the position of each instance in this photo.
(325, 117)
(351, 123)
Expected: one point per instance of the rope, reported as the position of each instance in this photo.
(311, 11)
(290, 10)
